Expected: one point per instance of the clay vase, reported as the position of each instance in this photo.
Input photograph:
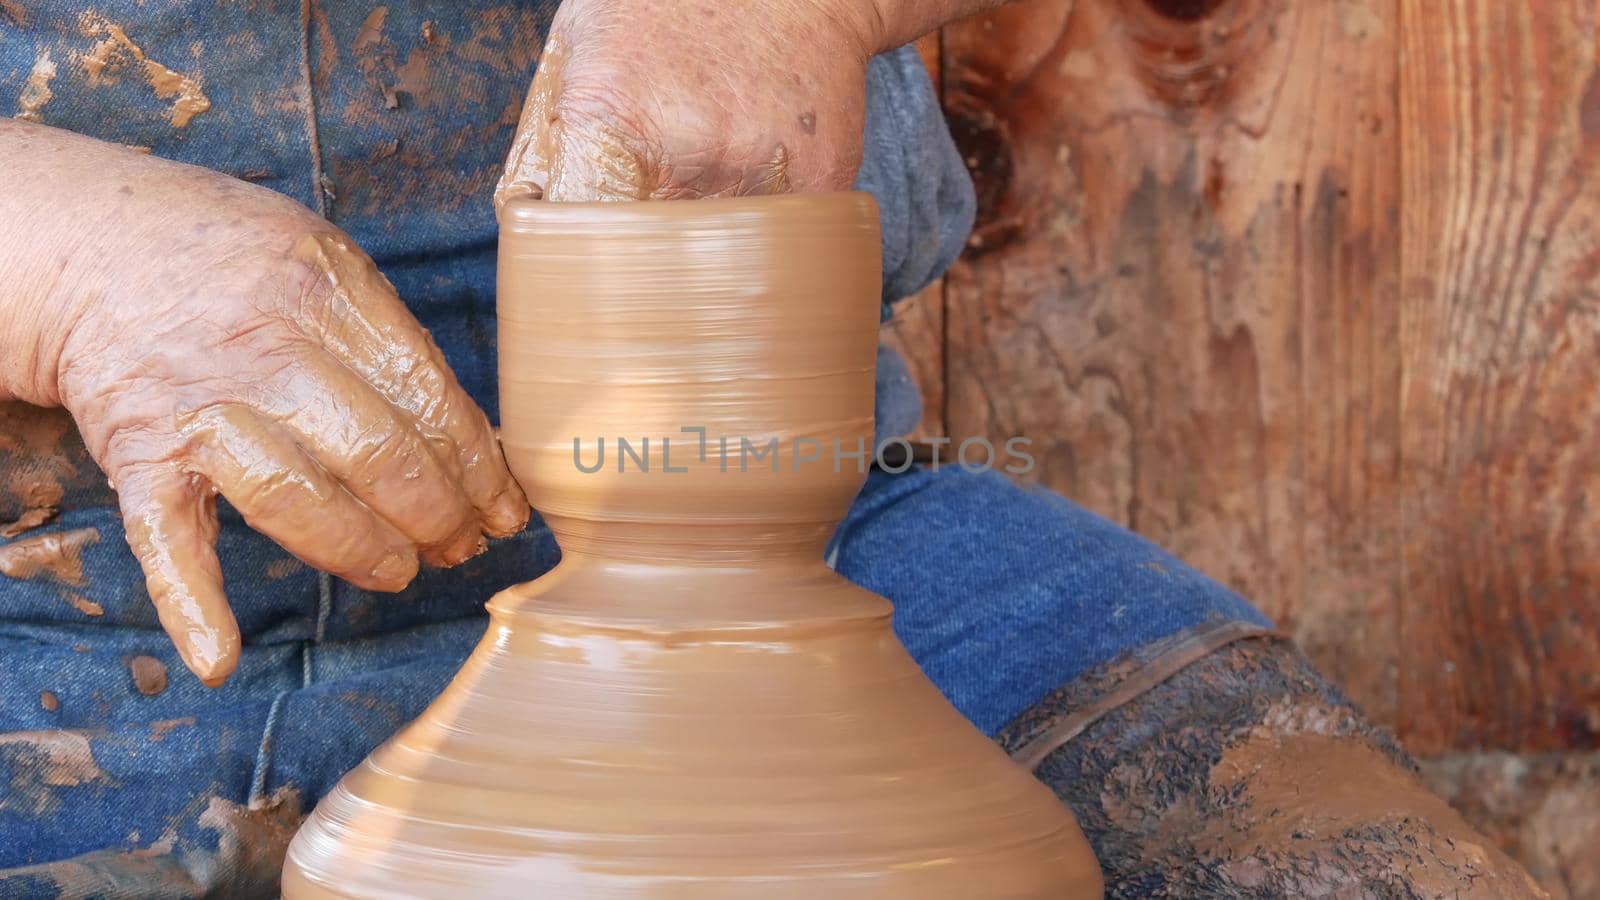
(692, 704)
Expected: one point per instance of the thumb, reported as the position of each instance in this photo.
(170, 518)
(527, 170)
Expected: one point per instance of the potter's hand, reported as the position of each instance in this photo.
(638, 99)
(210, 336)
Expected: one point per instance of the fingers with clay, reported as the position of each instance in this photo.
(283, 492)
(275, 367)
(363, 323)
(643, 100)
(171, 522)
(637, 100)
(345, 439)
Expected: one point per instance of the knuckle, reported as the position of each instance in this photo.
(386, 448)
(604, 144)
(311, 296)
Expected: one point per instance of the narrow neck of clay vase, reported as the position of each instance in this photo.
(690, 382)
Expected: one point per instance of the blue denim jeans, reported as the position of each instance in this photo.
(120, 775)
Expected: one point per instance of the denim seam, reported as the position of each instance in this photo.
(308, 649)
(313, 138)
(258, 778)
(324, 605)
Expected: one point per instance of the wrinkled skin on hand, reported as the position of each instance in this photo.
(252, 350)
(637, 99)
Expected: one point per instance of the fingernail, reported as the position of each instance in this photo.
(397, 568)
(508, 514)
(208, 658)
(463, 550)
(478, 547)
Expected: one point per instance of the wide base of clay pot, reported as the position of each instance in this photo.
(584, 753)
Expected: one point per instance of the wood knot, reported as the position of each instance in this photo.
(984, 142)
(1189, 53)
(1185, 10)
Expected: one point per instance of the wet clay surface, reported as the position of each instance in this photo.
(40, 762)
(36, 91)
(58, 556)
(28, 521)
(83, 604)
(44, 468)
(691, 704)
(1248, 775)
(149, 675)
(114, 53)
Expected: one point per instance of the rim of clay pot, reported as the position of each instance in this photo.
(530, 212)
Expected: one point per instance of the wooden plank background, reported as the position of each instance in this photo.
(1307, 292)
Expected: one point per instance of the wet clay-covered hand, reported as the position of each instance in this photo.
(638, 99)
(212, 337)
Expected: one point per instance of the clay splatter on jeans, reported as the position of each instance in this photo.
(40, 763)
(58, 556)
(237, 853)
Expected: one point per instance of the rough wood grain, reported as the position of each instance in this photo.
(1184, 286)
(1500, 310)
(1308, 293)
